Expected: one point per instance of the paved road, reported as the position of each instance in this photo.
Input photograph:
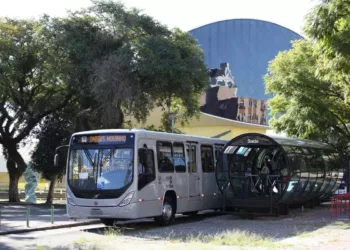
(14, 217)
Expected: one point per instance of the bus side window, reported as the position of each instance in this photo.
(146, 167)
(207, 156)
(179, 157)
(164, 154)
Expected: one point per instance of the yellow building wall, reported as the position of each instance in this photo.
(210, 131)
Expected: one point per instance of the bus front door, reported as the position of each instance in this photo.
(194, 180)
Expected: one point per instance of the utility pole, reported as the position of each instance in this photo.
(173, 117)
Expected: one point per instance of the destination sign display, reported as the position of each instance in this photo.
(103, 139)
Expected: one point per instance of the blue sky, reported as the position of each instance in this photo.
(184, 14)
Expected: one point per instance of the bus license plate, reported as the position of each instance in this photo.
(96, 212)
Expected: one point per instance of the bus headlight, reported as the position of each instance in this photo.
(126, 200)
(70, 200)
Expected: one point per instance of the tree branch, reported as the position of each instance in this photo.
(5, 117)
(34, 121)
(342, 122)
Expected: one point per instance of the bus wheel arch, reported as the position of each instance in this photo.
(169, 209)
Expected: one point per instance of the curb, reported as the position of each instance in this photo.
(19, 231)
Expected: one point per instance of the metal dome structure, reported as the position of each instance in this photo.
(260, 171)
(247, 45)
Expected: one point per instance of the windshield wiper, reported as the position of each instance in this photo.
(88, 156)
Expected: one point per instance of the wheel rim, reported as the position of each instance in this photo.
(167, 211)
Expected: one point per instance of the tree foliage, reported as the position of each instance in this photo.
(310, 83)
(54, 131)
(122, 62)
(105, 62)
(31, 88)
(328, 25)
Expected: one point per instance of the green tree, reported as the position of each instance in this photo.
(304, 104)
(310, 83)
(31, 88)
(328, 25)
(54, 131)
(122, 62)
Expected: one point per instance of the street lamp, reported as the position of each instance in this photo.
(173, 117)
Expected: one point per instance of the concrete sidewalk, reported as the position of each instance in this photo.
(13, 218)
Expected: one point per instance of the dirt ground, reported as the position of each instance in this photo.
(301, 229)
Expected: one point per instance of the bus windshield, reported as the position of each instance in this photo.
(100, 168)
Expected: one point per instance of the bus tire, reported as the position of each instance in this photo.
(168, 213)
(108, 222)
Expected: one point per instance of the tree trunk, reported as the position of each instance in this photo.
(50, 194)
(13, 188)
(16, 167)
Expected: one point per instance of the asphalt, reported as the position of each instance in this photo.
(13, 218)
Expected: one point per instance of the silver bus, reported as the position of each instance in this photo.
(120, 174)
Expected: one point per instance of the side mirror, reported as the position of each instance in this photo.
(57, 158)
(55, 161)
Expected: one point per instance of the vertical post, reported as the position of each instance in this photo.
(28, 216)
(348, 177)
(224, 200)
(0, 219)
(52, 214)
(172, 124)
(172, 116)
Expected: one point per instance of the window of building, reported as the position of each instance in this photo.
(207, 156)
(179, 157)
(164, 154)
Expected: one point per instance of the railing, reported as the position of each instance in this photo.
(58, 194)
(338, 203)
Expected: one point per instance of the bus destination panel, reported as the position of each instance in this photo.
(104, 139)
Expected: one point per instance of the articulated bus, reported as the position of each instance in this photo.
(123, 174)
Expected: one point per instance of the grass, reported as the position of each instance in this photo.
(228, 238)
(38, 247)
(113, 231)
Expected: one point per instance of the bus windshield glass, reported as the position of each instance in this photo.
(100, 167)
(103, 169)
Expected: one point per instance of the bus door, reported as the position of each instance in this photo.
(194, 181)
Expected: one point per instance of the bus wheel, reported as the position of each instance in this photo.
(108, 222)
(168, 213)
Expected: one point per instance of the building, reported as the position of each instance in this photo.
(221, 99)
(237, 53)
(242, 49)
